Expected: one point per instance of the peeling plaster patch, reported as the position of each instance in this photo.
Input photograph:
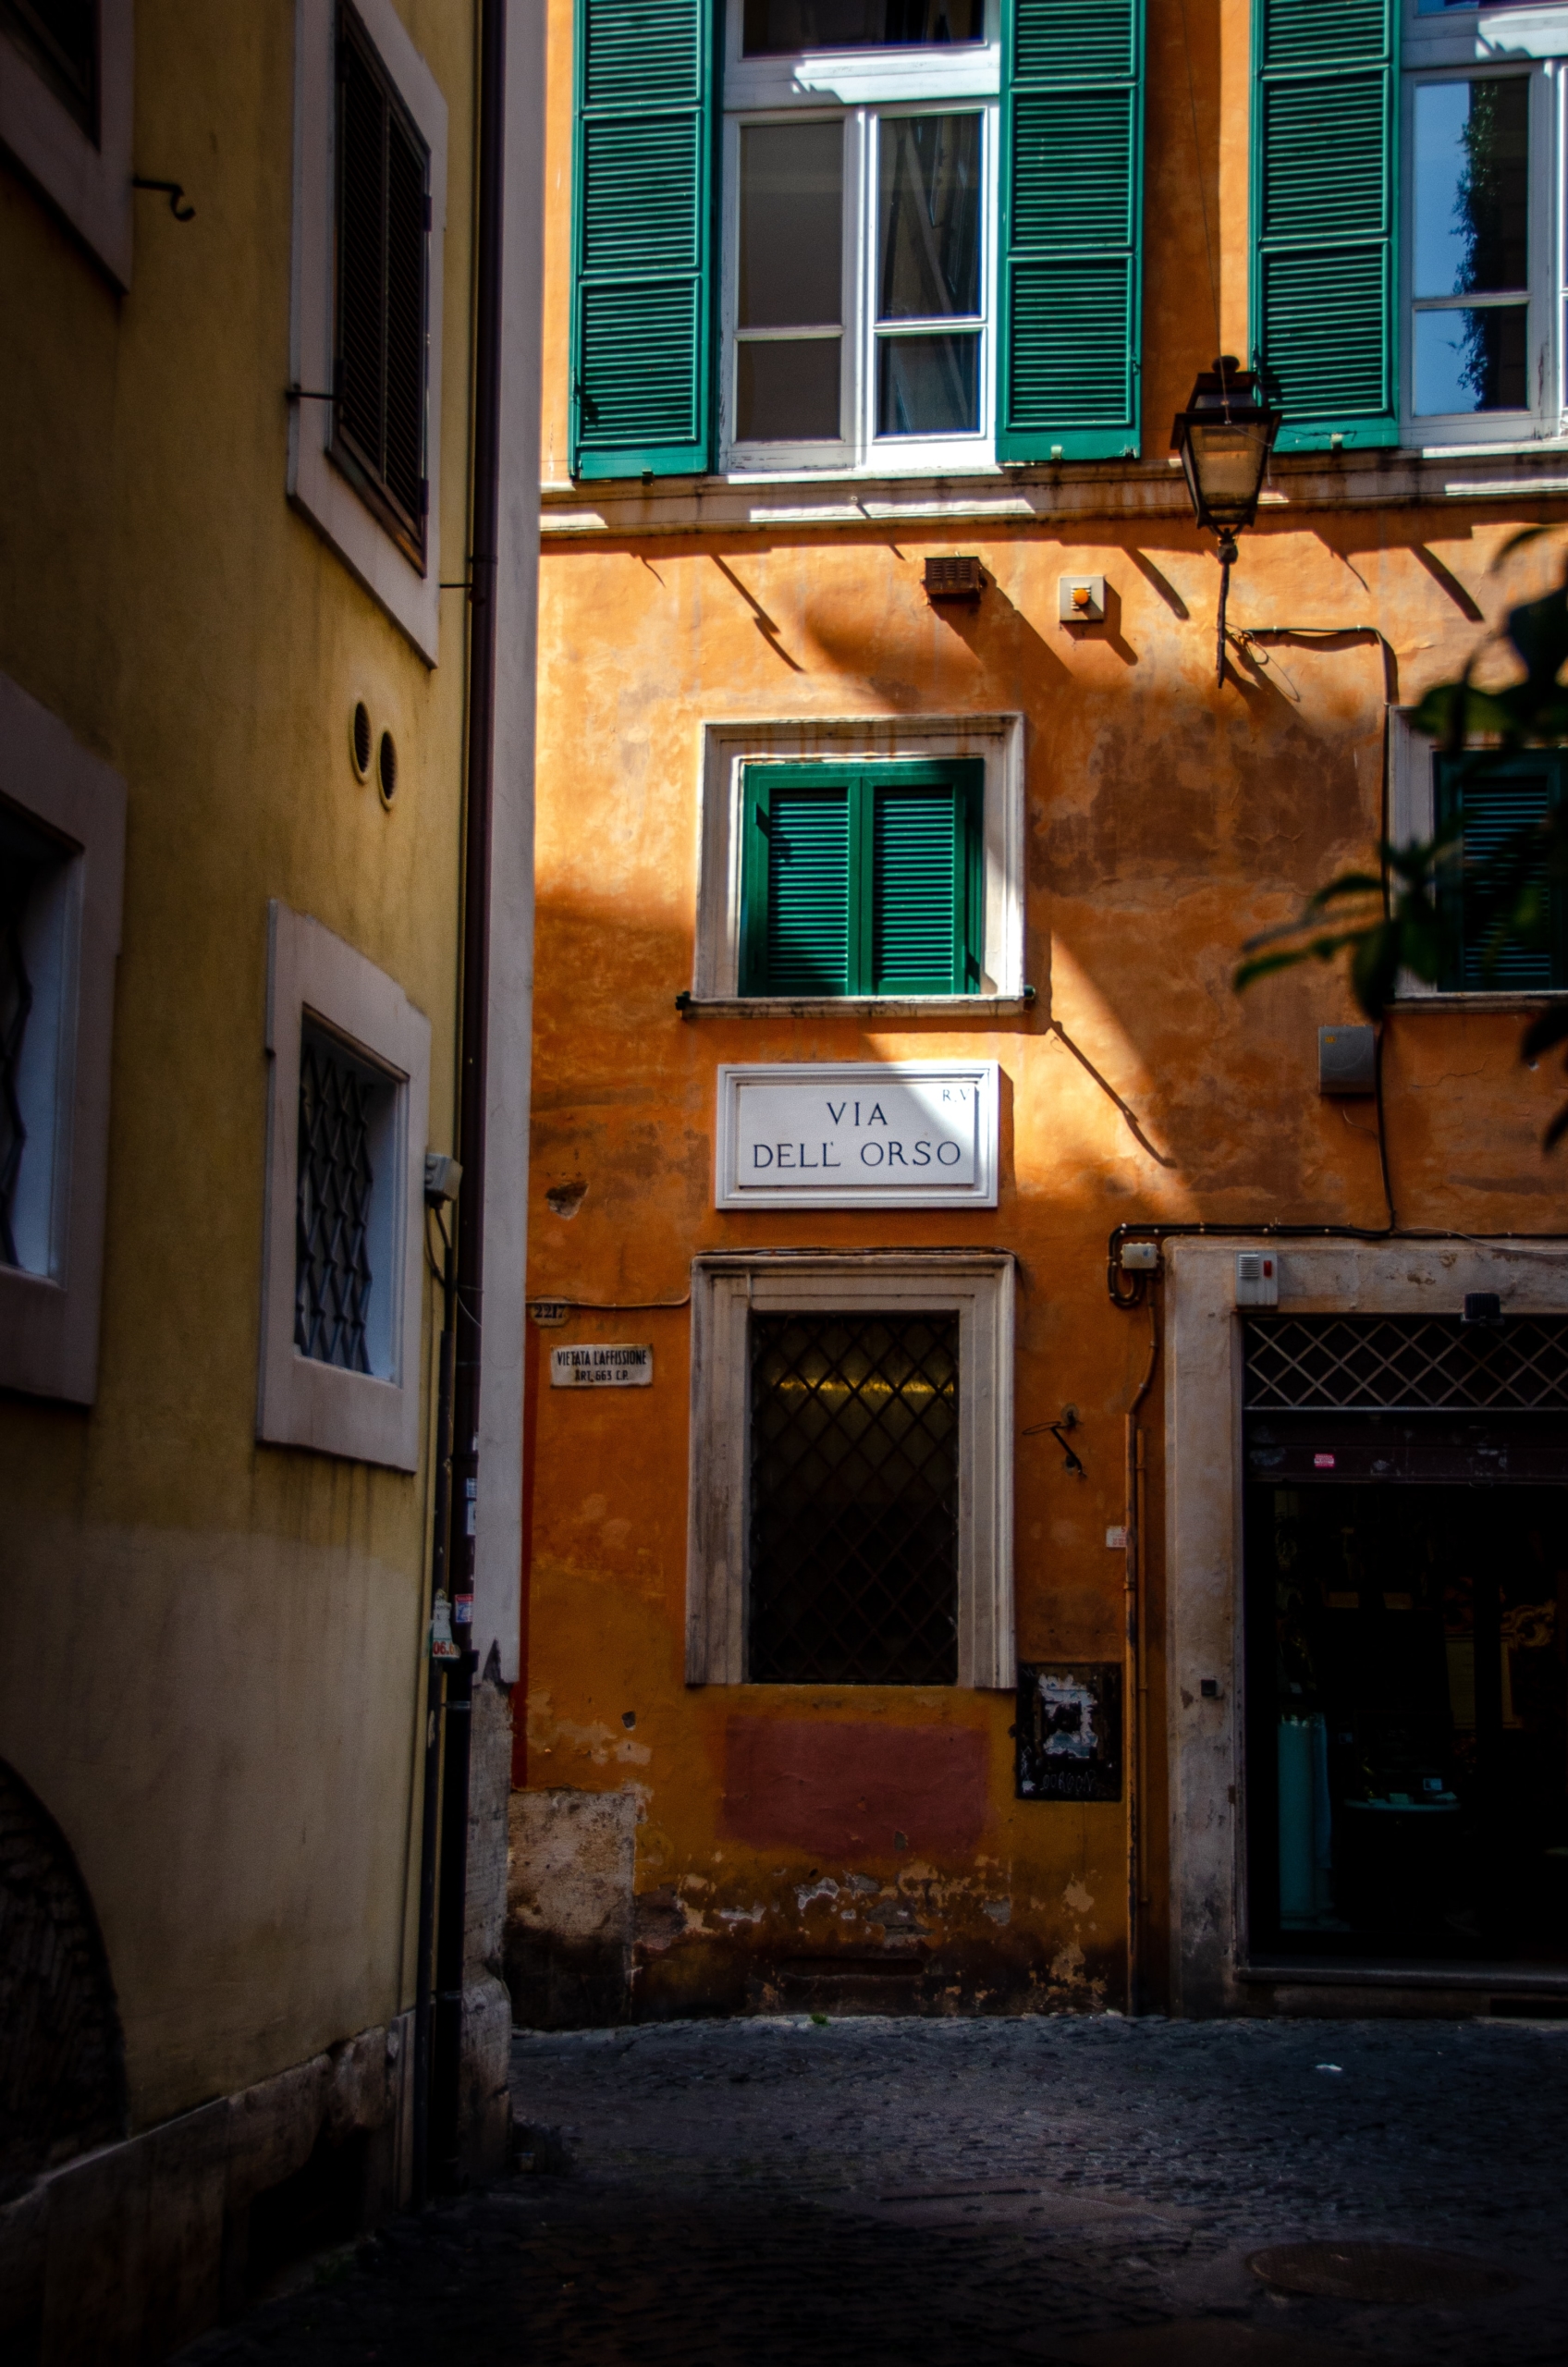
(866, 1883)
(998, 1909)
(1077, 1898)
(742, 1914)
(565, 1199)
(826, 1888)
(1067, 1964)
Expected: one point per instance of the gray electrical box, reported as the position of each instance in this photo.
(1347, 1059)
(1257, 1278)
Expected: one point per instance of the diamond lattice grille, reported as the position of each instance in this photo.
(854, 1500)
(332, 1276)
(1406, 1363)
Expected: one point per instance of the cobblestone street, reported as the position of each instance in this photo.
(1092, 2192)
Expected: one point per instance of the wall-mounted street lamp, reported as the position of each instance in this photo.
(1224, 438)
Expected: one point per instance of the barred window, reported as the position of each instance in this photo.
(344, 1106)
(854, 1499)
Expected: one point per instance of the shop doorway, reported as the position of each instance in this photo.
(1408, 1743)
(1406, 1643)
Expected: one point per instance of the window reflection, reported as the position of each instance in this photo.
(1470, 237)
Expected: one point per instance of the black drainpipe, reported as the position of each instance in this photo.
(451, 1911)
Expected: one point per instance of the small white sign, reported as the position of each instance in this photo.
(872, 1134)
(594, 1365)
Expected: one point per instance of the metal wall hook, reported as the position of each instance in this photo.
(173, 191)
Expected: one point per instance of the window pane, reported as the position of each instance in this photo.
(792, 225)
(930, 214)
(786, 393)
(1471, 359)
(854, 1500)
(1472, 186)
(779, 27)
(927, 386)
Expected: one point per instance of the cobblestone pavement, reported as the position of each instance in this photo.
(1072, 2193)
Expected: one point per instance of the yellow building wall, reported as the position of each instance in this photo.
(211, 1650)
(1168, 820)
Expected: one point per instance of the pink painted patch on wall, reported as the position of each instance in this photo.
(878, 1788)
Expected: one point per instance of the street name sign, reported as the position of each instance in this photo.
(594, 1365)
(864, 1134)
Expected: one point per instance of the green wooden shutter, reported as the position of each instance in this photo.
(1492, 803)
(642, 238)
(1071, 229)
(922, 941)
(1325, 259)
(862, 880)
(799, 924)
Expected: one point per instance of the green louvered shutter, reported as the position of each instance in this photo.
(642, 238)
(921, 872)
(862, 880)
(1325, 262)
(1071, 229)
(1492, 803)
(797, 927)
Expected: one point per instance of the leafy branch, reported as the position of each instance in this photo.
(1404, 918)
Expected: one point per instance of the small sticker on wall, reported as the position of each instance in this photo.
(1322, 1463)
(595, 1366)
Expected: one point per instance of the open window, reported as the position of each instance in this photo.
(62, 857)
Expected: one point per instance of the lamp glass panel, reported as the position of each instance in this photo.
(1228, 460)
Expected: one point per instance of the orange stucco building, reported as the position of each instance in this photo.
(932, 1628)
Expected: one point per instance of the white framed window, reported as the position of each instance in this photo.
(62, 864)
(859, 209)
(1486, 805)
(370, 177)
(1482, 269)
(65, 107)
(728, 749)
(347, 1108)
(932, 1332)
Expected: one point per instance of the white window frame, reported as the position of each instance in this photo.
(317, 488)
(976, 1285)
(49, 1321)
(368, 1418)
(1459, 47)
(728, 748)
(1413, 818)
(858, 86)
(87, 180)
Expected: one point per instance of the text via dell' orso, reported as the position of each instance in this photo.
(920, 1131)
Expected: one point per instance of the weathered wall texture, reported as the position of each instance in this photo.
(797, 1844)
(213, 1652)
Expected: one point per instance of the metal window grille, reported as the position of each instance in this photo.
(1406, 1363)
(382, 238)
(854, 1500)
(61, 37)
(16, 877)
(331, 1275)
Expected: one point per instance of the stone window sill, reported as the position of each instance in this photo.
(970, 1007)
